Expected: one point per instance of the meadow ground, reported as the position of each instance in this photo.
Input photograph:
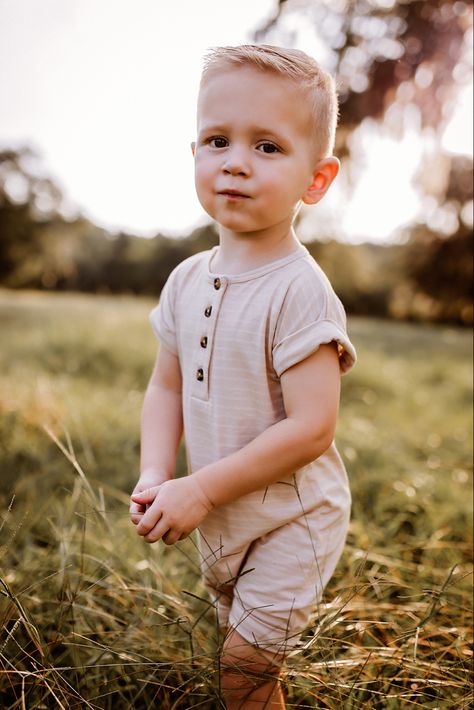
(92, 617)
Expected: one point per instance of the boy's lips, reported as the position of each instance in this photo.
(233, 194)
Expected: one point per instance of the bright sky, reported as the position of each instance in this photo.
(105, 91)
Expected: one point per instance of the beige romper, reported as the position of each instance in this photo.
(267, 556)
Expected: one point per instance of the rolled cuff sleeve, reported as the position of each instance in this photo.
(304, 342)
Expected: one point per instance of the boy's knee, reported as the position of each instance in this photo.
(245, 667)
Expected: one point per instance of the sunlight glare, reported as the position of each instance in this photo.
(383, 197)
(458, 134)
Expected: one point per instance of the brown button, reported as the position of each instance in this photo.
(217, 284)
(208, 311)
(204, 341)
(200, 375)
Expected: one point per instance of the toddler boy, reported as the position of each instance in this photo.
(253, 342)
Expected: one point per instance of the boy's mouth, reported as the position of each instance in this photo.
(233, 194)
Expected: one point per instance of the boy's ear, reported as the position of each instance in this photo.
(323, 175)
(193, 147)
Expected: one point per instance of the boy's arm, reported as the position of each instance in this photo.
(311, 392)
(161, 427)
(311, 397)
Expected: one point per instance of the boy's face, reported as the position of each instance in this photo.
(254, 156)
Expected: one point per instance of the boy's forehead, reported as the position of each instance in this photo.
(250, 87)
(249, 78)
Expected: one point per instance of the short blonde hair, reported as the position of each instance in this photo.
(292, 64)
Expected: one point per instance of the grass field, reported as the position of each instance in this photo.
(92, 617)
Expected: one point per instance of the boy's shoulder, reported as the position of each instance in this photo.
(308, 287)
(306, 273)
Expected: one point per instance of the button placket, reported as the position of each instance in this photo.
(205, 338)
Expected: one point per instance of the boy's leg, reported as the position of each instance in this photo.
(280, 582)
(250, 676)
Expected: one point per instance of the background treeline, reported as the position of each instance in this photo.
(390, 58)
(427, 278)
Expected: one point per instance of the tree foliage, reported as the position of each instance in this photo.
(382, 51)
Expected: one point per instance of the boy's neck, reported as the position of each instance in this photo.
(239, 253)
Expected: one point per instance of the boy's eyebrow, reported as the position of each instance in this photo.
(253, 130)
(204, 128)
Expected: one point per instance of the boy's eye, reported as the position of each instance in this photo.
(268, 148)
(218, 142)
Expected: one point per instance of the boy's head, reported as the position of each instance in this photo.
(291, 64)
(265, 130)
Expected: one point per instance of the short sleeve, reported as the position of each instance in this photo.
(162, 317)
(312, 315)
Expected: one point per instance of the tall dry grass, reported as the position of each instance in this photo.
(92, 617)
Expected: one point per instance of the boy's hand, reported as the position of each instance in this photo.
(172, 510)
(147, 480)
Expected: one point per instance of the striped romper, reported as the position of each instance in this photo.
(267, 556)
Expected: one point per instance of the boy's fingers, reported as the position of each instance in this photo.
(171, 537)
(137, 509)
(149, 523)
(139, 497)
(136, 517)
(146, 496)
(158, 531)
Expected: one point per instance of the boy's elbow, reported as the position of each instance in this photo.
(316, 442)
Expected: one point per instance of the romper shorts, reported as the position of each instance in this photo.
(267, 580)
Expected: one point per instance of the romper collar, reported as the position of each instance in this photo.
(298, 253)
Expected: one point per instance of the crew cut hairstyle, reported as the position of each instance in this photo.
(292, 64)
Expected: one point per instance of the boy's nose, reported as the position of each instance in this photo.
(235, 163)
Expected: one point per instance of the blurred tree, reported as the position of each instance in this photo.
(25, 198)
(438, 259)
(41, 248)
(382, 51)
